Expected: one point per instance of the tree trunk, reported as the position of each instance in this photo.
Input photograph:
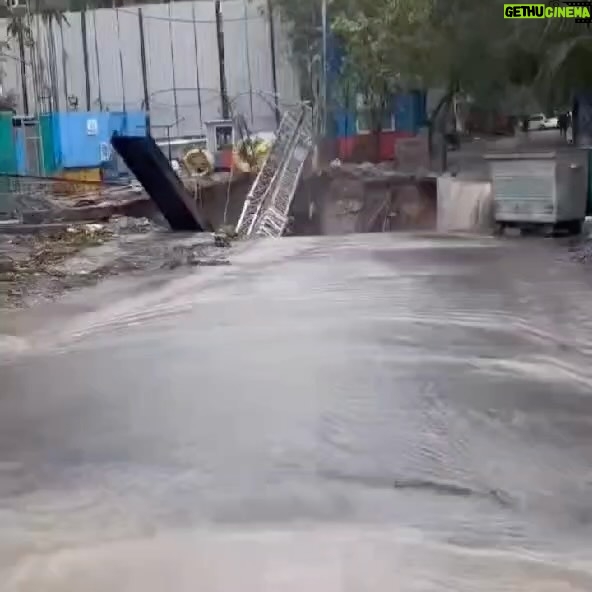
(437, 125)
(433, 120)
(376, 122)
(444, 154)
(375, 154)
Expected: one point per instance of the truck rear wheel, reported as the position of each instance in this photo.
(499, 229)
(574, 227)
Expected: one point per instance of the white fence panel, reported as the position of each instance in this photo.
(181, 56)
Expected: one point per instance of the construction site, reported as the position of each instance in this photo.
(253, 337)
(98, 140)
(263, 185)
(64, 233)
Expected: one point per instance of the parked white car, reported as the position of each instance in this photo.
(541, 122)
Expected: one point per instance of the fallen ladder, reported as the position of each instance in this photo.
(267, 175)
(266, 208)
(274, 218)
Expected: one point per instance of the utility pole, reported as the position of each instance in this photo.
(273, 61)
(220, 38)
(143, 60)
(21, 43)
(324, 80)
(23, 65)
(85, 57)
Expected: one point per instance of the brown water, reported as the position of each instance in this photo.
(368, 412)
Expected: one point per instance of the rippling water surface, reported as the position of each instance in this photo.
(361, 413)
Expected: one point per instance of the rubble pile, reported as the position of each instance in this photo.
(25, 258)
(42, 265)
(191, 255)
(581, 252)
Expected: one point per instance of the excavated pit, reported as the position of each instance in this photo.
(348, 199)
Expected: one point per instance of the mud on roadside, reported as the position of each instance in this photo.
(41, 265)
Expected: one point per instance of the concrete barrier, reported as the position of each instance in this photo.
(464, 205)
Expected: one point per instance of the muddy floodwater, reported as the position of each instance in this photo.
(371, 412)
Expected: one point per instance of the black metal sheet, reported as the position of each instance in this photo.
(146, 161)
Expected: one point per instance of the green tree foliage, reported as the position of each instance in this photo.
(303, 22)
(384, 47)
(452, 44)
(566, 60)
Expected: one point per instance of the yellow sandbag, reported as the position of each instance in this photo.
(239, 163)
(250, 154)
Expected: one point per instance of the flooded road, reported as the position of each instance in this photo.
(367, 412)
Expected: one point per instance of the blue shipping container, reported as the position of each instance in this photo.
(83, 139)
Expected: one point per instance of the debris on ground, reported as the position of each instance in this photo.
(33, 256)
(42, 265)
(580, 251)
(225, 235)
(129, 225)
(7, 264)
(191, 255)
(221, 240)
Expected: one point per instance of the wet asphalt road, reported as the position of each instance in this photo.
(342, 413)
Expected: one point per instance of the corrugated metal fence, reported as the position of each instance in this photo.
(165, 55)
